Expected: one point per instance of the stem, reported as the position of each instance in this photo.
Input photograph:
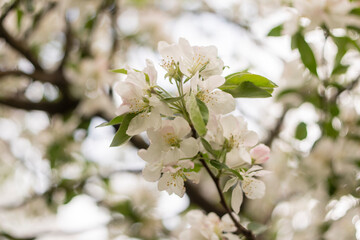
(247, 233)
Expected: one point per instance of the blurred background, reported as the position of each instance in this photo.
(59, 179)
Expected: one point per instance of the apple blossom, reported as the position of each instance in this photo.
(208, 227)
(169, 145)
(137, 97)
(252, 187)
(216, 100)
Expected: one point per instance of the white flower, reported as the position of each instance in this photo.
(208, 227)
(216, 100)
(135, 93)
(332, 13)
(168, 145)
(191, 59)
(239, 140)
(252, 187)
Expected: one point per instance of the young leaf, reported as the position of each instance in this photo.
(116, 120)
(301, 131)
(306, 54)
(120, 136)
(120, 70)
(276, 31)
(19, 16)
(203, 110)
(218, 165)
(172, 99)
(256, 228)
(208, 147)
(196, 115)
(355, 11)
(244, 84)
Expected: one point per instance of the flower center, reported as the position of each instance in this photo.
(172, 140)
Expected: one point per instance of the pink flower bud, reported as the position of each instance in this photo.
(260, 153)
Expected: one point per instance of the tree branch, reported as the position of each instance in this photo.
(247, 233)
(277, 128)
(19, 47)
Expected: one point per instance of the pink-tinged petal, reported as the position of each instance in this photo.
(260, 153)
(151, 172)
(230, 236)
(236, 198)
(151, 72)
(188, 164)
(189, 147)
(253, 188)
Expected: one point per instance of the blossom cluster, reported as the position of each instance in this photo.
(202, 227)
(190, 129)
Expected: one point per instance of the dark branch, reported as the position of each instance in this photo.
(20, 47)
(240, 229)
(8, 9)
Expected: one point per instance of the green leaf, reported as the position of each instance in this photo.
(355, 11)
(244, 84)
(120, 136)
(208, 147)
(340, 69)
(196, 115)
(256, 228)
(19, 16)
(276, 31)
(124, 71)
(120, 70)
(204, 110)
(114, 121)
(306, 54)
(354, 28)
(172, 99)
(218, 165)
(301, 131)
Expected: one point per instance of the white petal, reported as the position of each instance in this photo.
(221, 102)
(227, 224)
(236, 198)
(138, 124)
(231, 182)
(151, 72)
(250, 139)
(151, 172)
(172, 156)
(181, 127)
(189, 147)
(229, 125)
(244, 155)
(234, 159)
(253, 188)
(213, 82)
(193, 176)
(230, 236)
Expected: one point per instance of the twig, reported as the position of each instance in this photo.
(19, 47)
(276, 130)
(247, 233)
